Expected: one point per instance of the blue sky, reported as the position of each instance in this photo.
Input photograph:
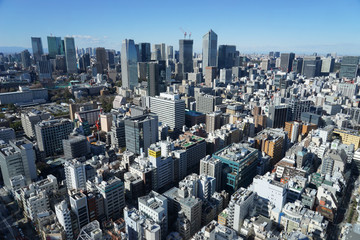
(302, 26)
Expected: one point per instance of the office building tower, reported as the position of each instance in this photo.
(129, 60)
(242, 161)
(84, 62)
(153, 79)
(276, 54)
(144, 52)
(213, 121)
(186, 55)
(17, 158)
(182, 204)
(44, 70)
(298, 106)
(212, 167)
(327, 65)
(106, 121)
(240, 205)
(25, 59)
(174, 116)
(101, 59)
(54, 46)
(75, 175)
(63, 215)
(155, 206)
(225, 75)
(349, 67)
(70, 55)
(76, 146)
(118, 133)
(170, 52)
(226, 56)
(112, 191)
(162, 51)
(347, 89)
(210, 75)
(269, 189)
(30, 119)
(60, 63)
(206, 103)
(209, 51)
(297, 65)
(7, 134)
(110, 56)
(140, 132)
(156, 54)
(265, 64)
(78, 204)
(311, 67)
(286, 61)
(50, 133)
(37, 48)
(277, 116)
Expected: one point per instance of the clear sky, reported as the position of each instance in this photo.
(302, 26)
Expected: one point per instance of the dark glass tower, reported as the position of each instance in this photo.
(37, 48)
(186, 55)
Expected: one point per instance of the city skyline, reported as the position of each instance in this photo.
(282, 26)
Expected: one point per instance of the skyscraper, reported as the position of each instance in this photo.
(209, 49)
(25, 58)
(185, 55)
(75, 175)
(70, 55)
(226, 56)
(37, 48)
(153, 78)
(54, 46)
(129, 64)
(349, 67)
(170, 52)
(311, 67)
(101, 59)
(286, 61)
(144, 52)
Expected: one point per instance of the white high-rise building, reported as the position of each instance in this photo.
(129, 60)
(170, 109)
(212, 167)
(164, 167)
(63, 215)
(75, 175)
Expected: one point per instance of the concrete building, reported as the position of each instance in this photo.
(78, 203)
(140, 132)
(213, 121)
(30, 119)
(241, 161)
(106, 121)
(75, 175)
(129, 64)
(112, 191)
(64, 217)
(174, 115)
(286, 61)
(118, 132)
(210, 75)
(209, 49)
(212, 167)
(7, 134)
(225, 76)
(349, 67)
(214, 230)
(50, 133)
(206, 103)
(24, 96)
(272, 142)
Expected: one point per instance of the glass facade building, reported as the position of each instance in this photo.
(129, 61)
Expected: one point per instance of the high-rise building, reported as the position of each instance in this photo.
(206, 103)
(155, 206)
(209, 51)
(106, 121)
(174, 116)
(297, 65)
(76, 146)
(298, 106)
(101, 59)
(210, 75)
(213, 121)
(140, 132)
(70, 54)
(349, 67)
(212, 167)
(118, 132)
(112, 191)
(25, 59)
(226, 56)
(129, 61)
(17, 158)
(84, 62)
(170, 52)
(37, 48)
(78, 203)
(327, 65)
(186, 55)
(311, 67)
(286, 61)
(7, 134)
(153, 79)
(225, 76)
(50, 133)
(63, 215)
(163, 51)
(144, 52)
(55, 46)
(277, 116)
(75, 175)
(242, 161)
(44, 70)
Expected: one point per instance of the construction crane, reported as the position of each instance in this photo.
(183, 32)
